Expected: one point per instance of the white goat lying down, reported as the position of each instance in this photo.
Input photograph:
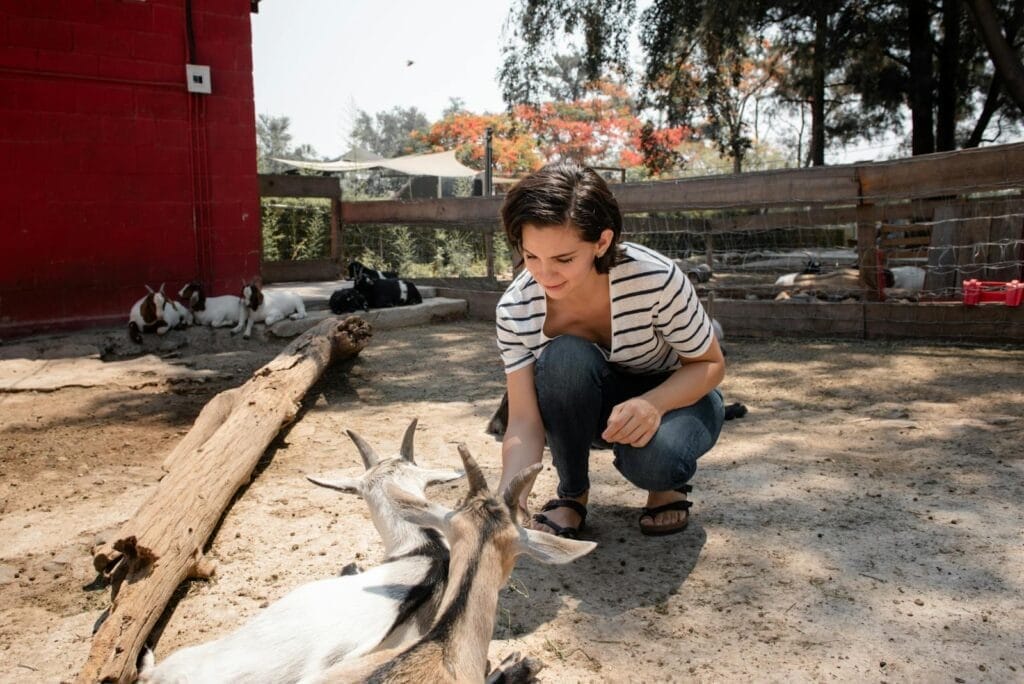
(321, 623)
(266, 307)
(147, 315)
(216, 312)
(485, 539)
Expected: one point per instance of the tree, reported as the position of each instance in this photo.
(390, 133)
(1002, 51)
(272, 140)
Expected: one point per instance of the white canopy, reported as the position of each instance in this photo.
(441, 164)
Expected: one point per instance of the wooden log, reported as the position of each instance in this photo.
(161, 545)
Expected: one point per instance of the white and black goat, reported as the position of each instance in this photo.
(321, 623)
(216, 312)
(147, 315)
(387, 292)
(266, 307)
(177, 315)
(485, 540)
(356, 269)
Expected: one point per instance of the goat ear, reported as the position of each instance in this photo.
(161, 290)
(477, 481)
(366, 452)
(410, 435)
(547, 548)
(419, 511)
(432, 476)
(350, 485)
(149, 289)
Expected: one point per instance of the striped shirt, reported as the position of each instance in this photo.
(656, 316)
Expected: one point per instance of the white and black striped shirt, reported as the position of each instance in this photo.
(656, 316)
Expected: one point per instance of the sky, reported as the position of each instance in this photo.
(319, 62)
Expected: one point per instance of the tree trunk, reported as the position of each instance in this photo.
(922, 135)
(818, 86)
(991, 105)
(999, 49)
(949, 81)
(162, 544)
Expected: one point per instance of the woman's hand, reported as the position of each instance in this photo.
(632, 422)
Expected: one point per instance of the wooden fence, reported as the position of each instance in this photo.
(926, 206)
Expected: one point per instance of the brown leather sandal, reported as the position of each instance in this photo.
(671, 528)
(562, 530)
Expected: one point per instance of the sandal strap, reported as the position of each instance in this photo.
(685, 489)
(559, 530)
(681, 505)
(576, 506)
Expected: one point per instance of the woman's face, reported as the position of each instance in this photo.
(560, 260)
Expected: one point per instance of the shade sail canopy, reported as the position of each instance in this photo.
(441, 164)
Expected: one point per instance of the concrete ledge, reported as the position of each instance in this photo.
(433, 310)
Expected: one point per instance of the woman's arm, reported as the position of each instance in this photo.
(635, 420)
(523, 444)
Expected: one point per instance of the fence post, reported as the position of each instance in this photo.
(489, 250)
(867, 249)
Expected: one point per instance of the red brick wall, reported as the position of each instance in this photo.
(112, 175)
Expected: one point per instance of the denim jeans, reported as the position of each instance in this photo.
(576, 391)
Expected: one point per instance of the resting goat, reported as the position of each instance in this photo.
(485, 540)
(268, 308)
(178, 317)
(323, 622)
(147, 315)
(387, 292)
(347, 300)
(356, 269)
(216, 312)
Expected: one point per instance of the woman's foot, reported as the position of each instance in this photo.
(555, 519)
(665, 513)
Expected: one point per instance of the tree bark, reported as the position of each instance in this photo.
(949, 81)
(922, 136)
(818, 85)
(999, 49)
(162, 544)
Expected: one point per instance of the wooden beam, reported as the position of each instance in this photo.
(447, 210)
(162, 544)
(945, 173)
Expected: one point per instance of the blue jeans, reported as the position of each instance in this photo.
(576, 391)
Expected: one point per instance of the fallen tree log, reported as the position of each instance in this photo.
(162, 544)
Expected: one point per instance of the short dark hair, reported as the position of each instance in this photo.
(565, 194)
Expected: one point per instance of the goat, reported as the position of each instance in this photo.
(216, 312)
(485, 539)
(387, 292)
(811, 268)
(356, 269)
(348, 300)
(323, 622)
(147, 315)
(177, 315)
(268, 308)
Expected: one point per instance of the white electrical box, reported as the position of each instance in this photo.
(197, 78)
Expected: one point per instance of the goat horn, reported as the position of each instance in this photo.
(523, 480)
(149, 289)
(477, 481)
(367, 453)
(410, 435)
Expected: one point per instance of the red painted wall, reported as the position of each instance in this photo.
(112, 175)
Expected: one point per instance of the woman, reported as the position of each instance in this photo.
(603, 344)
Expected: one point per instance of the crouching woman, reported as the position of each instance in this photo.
(604, 344)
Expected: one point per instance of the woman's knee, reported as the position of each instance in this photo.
(569, 364)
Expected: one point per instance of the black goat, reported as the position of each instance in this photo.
(387, 292)
(356, 269)
(348, 300)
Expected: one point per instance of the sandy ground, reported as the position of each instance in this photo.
(862, 523)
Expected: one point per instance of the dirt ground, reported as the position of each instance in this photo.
(862, 523)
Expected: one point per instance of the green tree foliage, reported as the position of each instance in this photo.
(295, 228)
(274, 140)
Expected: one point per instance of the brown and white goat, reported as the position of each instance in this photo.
(485, 539)
(147, 315)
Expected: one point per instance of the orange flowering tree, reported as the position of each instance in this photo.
(599, 129)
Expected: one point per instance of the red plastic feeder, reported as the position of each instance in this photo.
(978, 291)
